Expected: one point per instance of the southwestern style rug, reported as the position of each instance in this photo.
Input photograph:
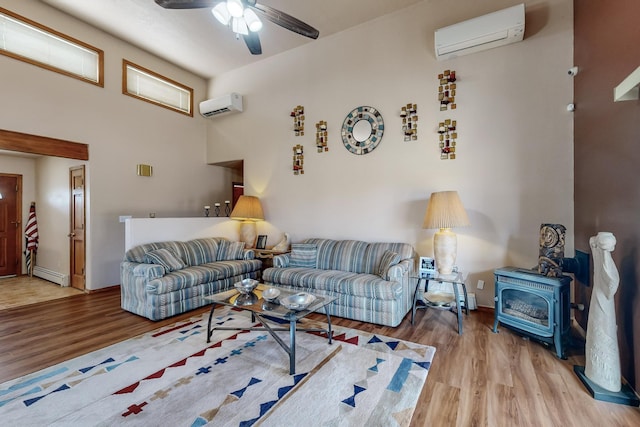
(172, 377)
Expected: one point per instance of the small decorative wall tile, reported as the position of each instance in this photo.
(298, 159)
(409, 114)
(447, 139)
(321, 136)
(298, 120)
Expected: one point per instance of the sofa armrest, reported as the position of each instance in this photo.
(249, 254)
(148, 271)
(281, 260)
(399, 271)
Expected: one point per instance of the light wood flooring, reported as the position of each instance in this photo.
(477, 379)
(25, 290)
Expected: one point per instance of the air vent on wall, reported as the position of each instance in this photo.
(223, 104)
(484, 32)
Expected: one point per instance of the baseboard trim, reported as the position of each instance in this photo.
(95, 291)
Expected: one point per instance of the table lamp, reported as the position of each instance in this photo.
(444, 212)
(248, 210)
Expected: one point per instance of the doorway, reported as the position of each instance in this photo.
(45, 146)
(238, 190)
(10, 221)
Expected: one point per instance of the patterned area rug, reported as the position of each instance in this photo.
(172, 377)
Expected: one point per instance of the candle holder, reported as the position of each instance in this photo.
(206, 210)
(227, 207)
(217, 209)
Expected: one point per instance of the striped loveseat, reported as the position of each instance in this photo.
(370, 280)
(159, 280)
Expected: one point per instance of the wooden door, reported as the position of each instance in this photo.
(238, 190)
(77, 234)
(10, 221)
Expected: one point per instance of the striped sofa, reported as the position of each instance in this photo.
(159, 280)
(370, 280)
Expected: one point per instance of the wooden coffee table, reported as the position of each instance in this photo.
(268, 313)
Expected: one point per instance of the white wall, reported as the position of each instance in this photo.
(514, 169)
(139, 231)
(121, 132)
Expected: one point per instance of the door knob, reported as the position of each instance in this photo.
(71, 235)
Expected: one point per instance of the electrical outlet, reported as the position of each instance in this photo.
(480, 284)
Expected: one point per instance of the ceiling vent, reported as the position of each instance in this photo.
(484, 32)
(231, 103)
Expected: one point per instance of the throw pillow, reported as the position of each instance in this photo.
(230, 251)
(303, 255)
(389, 258)
(165, 258)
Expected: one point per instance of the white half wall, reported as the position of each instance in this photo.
(139, 231)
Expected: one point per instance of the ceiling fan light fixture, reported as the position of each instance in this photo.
(253, 22)
(239, 26)
(236, 9)
(221, 13)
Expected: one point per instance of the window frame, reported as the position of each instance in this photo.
(126, 63)
(56, 34)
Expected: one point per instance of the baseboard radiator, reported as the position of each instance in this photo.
(50, 275)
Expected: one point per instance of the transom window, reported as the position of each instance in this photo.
(154, 88)
(29, 41)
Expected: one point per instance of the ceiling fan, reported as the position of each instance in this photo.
(241, 16)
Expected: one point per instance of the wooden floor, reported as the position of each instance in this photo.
(24, 290)
(477, 379)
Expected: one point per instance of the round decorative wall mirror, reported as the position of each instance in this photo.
(362, 130)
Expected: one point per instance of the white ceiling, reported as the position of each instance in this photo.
(194, 40)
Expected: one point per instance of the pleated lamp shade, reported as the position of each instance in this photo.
(248, 209)
(445, 211)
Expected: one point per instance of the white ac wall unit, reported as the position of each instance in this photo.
(223, 104)
(484, 32)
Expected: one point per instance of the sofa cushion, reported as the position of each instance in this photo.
(374, 253)
(303, 255)
(334, 282)
(137, 253)
(166, 258)
(348, 255)
(325, 249)
(389, 259)
(206, 273)
(229, 251)
(201, 251)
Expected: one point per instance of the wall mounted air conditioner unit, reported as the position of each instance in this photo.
(484, 32)
(224, 104)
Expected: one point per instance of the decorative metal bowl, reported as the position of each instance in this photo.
(246, 286)
(245, 299)
(270, 294)
(298, 301)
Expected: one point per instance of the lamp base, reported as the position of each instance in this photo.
(248, 233)
(445, 245)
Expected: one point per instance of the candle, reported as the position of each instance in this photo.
(217, 204)
(207, 207)
(227, 202)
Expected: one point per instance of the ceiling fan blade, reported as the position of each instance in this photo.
(186, 4)
(285, 21)
(253, 43)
